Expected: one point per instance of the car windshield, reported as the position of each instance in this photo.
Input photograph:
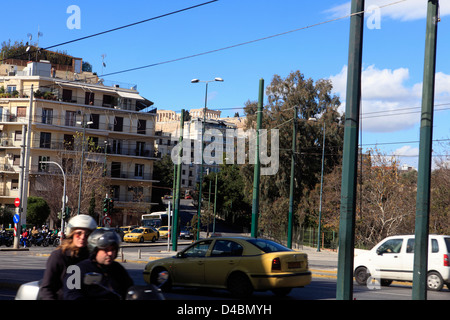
(268, 246)
(137, 231)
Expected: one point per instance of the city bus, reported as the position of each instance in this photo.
(155, 219)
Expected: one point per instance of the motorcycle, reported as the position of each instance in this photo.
(30, 290)
(6, 239)
(37, 241)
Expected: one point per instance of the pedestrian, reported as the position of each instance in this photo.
(72, 250)
(113, 279)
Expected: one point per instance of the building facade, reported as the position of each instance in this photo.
(114, 119)
(168, 131)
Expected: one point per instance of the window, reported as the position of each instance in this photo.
(18, 135)
(139, 170)
(109, 101)
(198, 250)
(68, 141)
(226, 248)
(11, 89)
(67, 95)
(116, 147)
(45, 140)
(16, 160)
(140, 148)
(142, 126)
(14, 184)
(118, 124)
(47, 116)
(89, 98)
(21, 112)
(71, 118)
(115, 169)
(95, 118)
(390, 246)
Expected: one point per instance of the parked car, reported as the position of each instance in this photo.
(163, 232)
(141, 234)
(241, 265)
(393, 259)
(126, 229)
(186, 233)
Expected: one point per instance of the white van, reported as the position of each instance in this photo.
(393, 259)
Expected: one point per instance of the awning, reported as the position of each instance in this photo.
(129, 95)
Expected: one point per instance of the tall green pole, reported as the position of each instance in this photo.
(256, 172)
(178, 187)
(291, 191)
(344, 287)
(419, 291)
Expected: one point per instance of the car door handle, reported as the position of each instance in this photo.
(231, 262)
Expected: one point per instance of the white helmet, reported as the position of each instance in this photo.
(83, 221)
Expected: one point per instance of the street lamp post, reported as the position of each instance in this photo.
(83, 124)
(63, 209)
(201, 164)
(321, 185)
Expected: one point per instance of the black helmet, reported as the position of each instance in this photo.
(102, 239)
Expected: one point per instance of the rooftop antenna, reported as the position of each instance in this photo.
(103, 61)
(39, 34)
(30, 36)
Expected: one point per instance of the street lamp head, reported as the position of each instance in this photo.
(218, 79)
(195, 81)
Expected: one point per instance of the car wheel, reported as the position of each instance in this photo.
(361, 276)
(239, 285)
(434, 281)
(141, 240)
(153, 239)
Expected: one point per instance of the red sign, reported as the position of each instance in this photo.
(17, 202)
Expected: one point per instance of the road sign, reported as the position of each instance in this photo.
(17, 202)
(16, 218)
(106, 221)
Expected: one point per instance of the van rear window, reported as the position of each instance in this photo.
(447, 242)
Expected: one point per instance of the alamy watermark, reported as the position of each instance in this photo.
(237, 145)
(74, 20)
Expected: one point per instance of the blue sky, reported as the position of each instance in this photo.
(393, 54)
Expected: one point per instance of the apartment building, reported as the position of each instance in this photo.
(67, 102)
(168, 131)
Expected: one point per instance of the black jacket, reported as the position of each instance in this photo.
(114, 277)
(55, 272)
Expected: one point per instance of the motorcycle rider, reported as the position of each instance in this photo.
(72, 250)
(103, 246)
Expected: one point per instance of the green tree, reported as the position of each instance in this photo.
(313, 99)
(163, 172)
(37, 211)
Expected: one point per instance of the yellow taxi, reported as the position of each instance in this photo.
(239, 264)
(141, 234)
(163, 232)
(126, 229)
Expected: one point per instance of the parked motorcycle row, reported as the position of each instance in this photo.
(41, 239)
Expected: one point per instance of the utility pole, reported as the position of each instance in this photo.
(24, 200)
(419, 290)
(344, 288)
(256, 172)
(291, 192)
(178, 187)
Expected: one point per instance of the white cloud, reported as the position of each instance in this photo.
(388, 104)
(404, 11)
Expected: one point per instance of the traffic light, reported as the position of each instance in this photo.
(105, 206)
(110, 206)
